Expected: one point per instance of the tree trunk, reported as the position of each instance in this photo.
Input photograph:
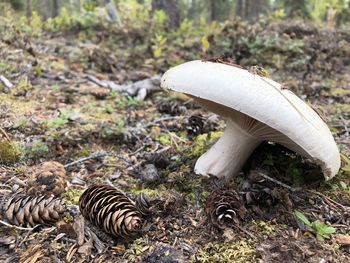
(220, 10)
(172, 10)
(55, 8)
(251, 9)
(29, 8)
(297, 8)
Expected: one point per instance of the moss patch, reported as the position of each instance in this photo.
(8, 152)
(240, 251)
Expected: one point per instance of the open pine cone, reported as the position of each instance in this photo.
(111, 210)
(256, 194)
(48, 178)
(225, 208)
(143, 204)
(23, 210)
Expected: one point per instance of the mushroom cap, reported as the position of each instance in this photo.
(228, 90)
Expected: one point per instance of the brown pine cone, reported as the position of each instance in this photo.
(111, 210)
(171, 107)
(224, 208)
(48, 178)
(258, 194)
(143, 204)
(23, 210)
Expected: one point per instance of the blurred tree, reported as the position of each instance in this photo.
(220, 9)
(17, 5)
(55, 8)
(297, 8)
(171, 8)
(29, 8)
(51, 8)
(251, 9)
(195, 9)
(344, 13)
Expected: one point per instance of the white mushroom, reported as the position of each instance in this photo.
(256, 109)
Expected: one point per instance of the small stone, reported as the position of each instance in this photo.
(149, 174)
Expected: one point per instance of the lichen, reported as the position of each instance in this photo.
(263, 227)
(240, 251)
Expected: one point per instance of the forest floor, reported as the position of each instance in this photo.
(55, 112)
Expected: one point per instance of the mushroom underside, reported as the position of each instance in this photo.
(242, 135)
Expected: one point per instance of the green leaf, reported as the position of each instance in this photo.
(328, 230)
(302, 218)
(320, 237)
(205, 44)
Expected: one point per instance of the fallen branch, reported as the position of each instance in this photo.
(3, 132)
(17, 227)
(8, 85)
(139, 89)
(277, 182)
(345, 208)
(93, 156)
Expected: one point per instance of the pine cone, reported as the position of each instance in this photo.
(48, 178)
(23, 210)
(256, 194)
(197, 124)
(171, 107)
(224, 208)
(143, 204)
(111, 210)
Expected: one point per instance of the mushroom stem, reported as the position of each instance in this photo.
(228, 155)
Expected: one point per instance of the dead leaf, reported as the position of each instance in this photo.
(342, 239)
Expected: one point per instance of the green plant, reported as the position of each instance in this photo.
(125, 102)
(159, 43)
(112, 131)
(36, 149)
(58, 122)
(33, 25)
(320, 229)
(346, 161)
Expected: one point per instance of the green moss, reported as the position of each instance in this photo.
(151, 193)
(84, 152)
(9, 153)
(18, 105)
(203, 142)
(263, 227)
(165, 139)
(240, 251)
(336, 92)
(136, 248)
(71, 197)
(68, 218)
(337, 108)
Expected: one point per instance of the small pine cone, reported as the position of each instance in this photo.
(23, 210)
(143, 204)
(48, 178)
(224, 208)
(256, 194)
(171, 107)
(111, 210)
(195, 125)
